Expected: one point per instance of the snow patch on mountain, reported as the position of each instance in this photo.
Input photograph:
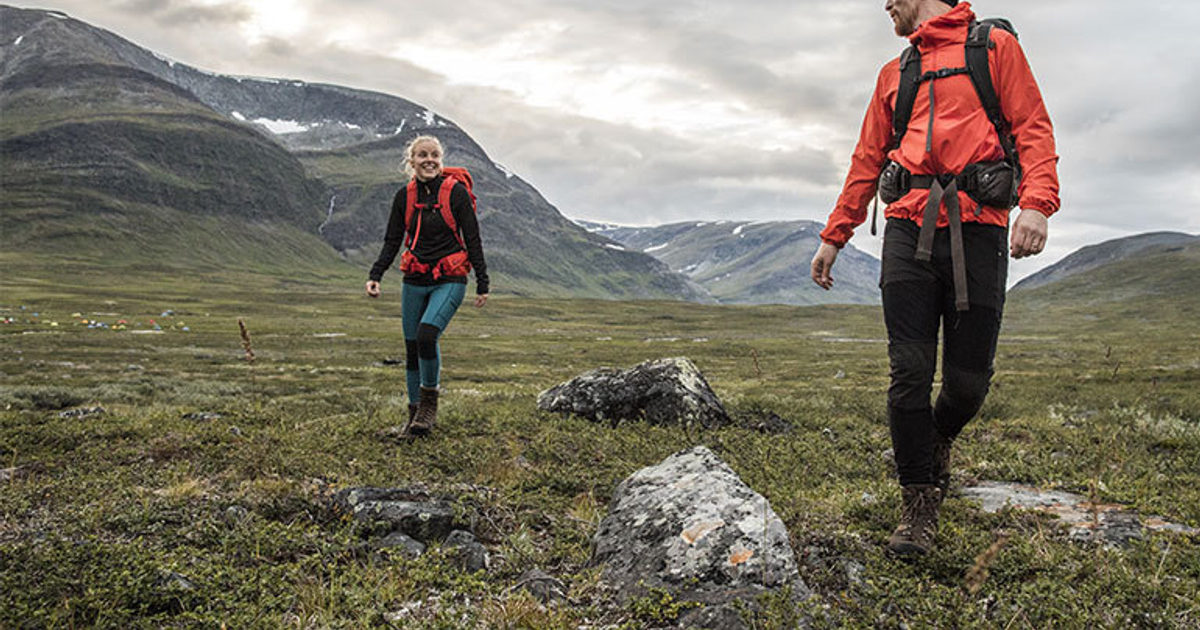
(655, 247)
(18, 41)
(616, 247)
(163, 58)
(280, 127)
(503, 169)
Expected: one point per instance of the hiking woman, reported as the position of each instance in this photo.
(433, 216)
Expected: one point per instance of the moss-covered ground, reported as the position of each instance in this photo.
(123, 519)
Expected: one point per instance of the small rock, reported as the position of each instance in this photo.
(202, 416)
(542, 586)
(471, 555)
(236, 431)
(854, 571)
(235, 514)
(175, 581)
(9, 474)
(411, 511)
(402, 542)
(133, 367)
(766, 422)
(82, 412)
(840, 374)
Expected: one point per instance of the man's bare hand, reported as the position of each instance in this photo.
(1028, 234)
(822, 263)
(372, 288)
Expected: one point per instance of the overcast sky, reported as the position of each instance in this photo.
(654, 112)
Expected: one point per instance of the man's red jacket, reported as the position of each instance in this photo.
(962, 133)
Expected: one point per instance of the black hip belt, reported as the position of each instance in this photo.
(988, 183)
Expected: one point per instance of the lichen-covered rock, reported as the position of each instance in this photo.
(542, 586)
(691, 526)
(662, 391)
(1108, 524)
(400, 542)
(468, 553)
(386, 510)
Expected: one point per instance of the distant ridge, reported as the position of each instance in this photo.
(112, 152)
(1093, 257)
(742, 262)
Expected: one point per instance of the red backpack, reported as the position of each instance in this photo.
(455, 264)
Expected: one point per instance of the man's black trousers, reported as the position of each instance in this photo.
(918, 299)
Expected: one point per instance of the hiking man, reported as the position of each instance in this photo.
(950, 171)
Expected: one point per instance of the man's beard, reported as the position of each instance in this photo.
(906, 22)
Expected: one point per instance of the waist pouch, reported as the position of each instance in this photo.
(991, 184)
(455, 264)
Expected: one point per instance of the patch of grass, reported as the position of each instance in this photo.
(200, 496)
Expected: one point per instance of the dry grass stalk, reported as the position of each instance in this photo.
(246, 341)
(978, 573)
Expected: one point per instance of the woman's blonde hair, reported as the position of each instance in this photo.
(411, 146)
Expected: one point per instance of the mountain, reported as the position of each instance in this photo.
(112, 150)
(741, 262)
(1095, 256)
(104, 161)
(1154, 286)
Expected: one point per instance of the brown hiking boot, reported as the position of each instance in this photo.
(918, 520)
(412, 413)
(397, 432)
(941, 463)
(426, 415)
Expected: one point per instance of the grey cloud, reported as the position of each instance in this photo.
(173, 13)
(1122, 96)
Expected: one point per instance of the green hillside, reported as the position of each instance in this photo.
(1157, 288)
(109, 164)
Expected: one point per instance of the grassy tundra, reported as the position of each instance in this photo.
(152, 515)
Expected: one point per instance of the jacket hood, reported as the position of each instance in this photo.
(949, 27)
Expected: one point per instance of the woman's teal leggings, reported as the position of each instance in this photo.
(427, 312)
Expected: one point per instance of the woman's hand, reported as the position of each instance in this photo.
(372, 288)
(480, 300)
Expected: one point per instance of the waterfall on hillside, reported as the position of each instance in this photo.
(328, 217)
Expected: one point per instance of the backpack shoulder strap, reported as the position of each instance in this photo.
(979, 42)
(410, 203)
(906, 93)
(444, 191)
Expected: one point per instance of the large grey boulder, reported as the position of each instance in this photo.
(691, 526)
(662, 391)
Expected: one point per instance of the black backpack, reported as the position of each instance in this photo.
(977, 45)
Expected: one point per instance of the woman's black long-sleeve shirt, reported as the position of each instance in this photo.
(436, 240)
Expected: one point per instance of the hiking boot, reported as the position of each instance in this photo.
(918, 520)
(941, 463)
(426, 415)
(412, 413)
